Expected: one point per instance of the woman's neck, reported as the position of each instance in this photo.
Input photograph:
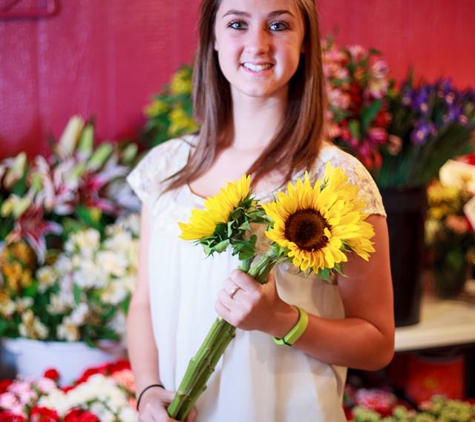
(255, 123)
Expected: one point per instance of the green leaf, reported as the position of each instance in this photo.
(354, 128)
(368, 114)
(325, 274)
(222, 246)
(99, 157)
(86, 141)
(77, 293)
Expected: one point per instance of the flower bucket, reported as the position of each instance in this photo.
(406, 209)
(449, 281)
(32, 357)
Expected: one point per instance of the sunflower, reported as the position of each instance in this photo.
(218, 209)
(317, 225)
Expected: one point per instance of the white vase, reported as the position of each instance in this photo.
(32, 357)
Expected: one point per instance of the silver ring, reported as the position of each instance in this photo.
(234, 291)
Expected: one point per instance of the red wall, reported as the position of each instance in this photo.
(107, 57)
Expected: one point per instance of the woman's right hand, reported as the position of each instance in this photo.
(153, 406)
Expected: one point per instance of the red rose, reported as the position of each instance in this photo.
(6, 416)
(43, 414)
(382, 119)
(120, 365)
(4, 384)
(78, 415)
(102, 369)
(52, 374)
(348, 413)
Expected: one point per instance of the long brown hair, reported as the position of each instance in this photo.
(298, 143)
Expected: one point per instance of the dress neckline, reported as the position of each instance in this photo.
(264, 195)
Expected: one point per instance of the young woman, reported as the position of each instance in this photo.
(259, 97)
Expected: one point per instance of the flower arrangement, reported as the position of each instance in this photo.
(83, 295)
(431, 123)
(105, 393)
(314, 227)
(357, 87)
(170, 114)
(376, 405)
(402, 134)
(450, 236)
(60, 216)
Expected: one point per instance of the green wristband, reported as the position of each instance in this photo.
(296, 332)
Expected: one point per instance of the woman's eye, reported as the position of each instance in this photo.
(278, 26)
(237, 25)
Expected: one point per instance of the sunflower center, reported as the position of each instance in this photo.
(306, 229)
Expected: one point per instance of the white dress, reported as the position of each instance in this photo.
(256, 380)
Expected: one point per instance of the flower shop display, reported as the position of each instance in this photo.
(104, 393)
(313, 227)
(68, 246)
(450, 237)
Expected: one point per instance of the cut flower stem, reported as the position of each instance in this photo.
(203, 364)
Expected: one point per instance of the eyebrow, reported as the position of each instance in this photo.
(270, 15)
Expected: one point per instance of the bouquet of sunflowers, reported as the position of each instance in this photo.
(313, 226)
(60, 215)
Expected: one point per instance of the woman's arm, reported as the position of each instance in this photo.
(143, 354)
(142, 351)
(364, 339)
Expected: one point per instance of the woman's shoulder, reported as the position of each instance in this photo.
(338, 158)
(172, 151)
(356, 172)
(157, 165)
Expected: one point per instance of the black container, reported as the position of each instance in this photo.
(406, 209)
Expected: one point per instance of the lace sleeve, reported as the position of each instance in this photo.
(357, 174)
(147, 178)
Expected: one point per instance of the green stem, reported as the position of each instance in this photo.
(202, 365)
(246, 264)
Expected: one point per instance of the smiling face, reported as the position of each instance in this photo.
(259, 43)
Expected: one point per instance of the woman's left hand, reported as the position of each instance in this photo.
(248, 305)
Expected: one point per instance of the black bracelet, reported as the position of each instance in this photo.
(145, 389)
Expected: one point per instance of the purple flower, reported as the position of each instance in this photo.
(421, 100)
(453, 114)
(421, 132)
(406, 95)
(444, 87)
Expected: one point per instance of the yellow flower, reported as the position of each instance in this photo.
(155, 108)
(318, 224)
(437, 193)
(181, 82)
(217, 210)
(180, 122)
